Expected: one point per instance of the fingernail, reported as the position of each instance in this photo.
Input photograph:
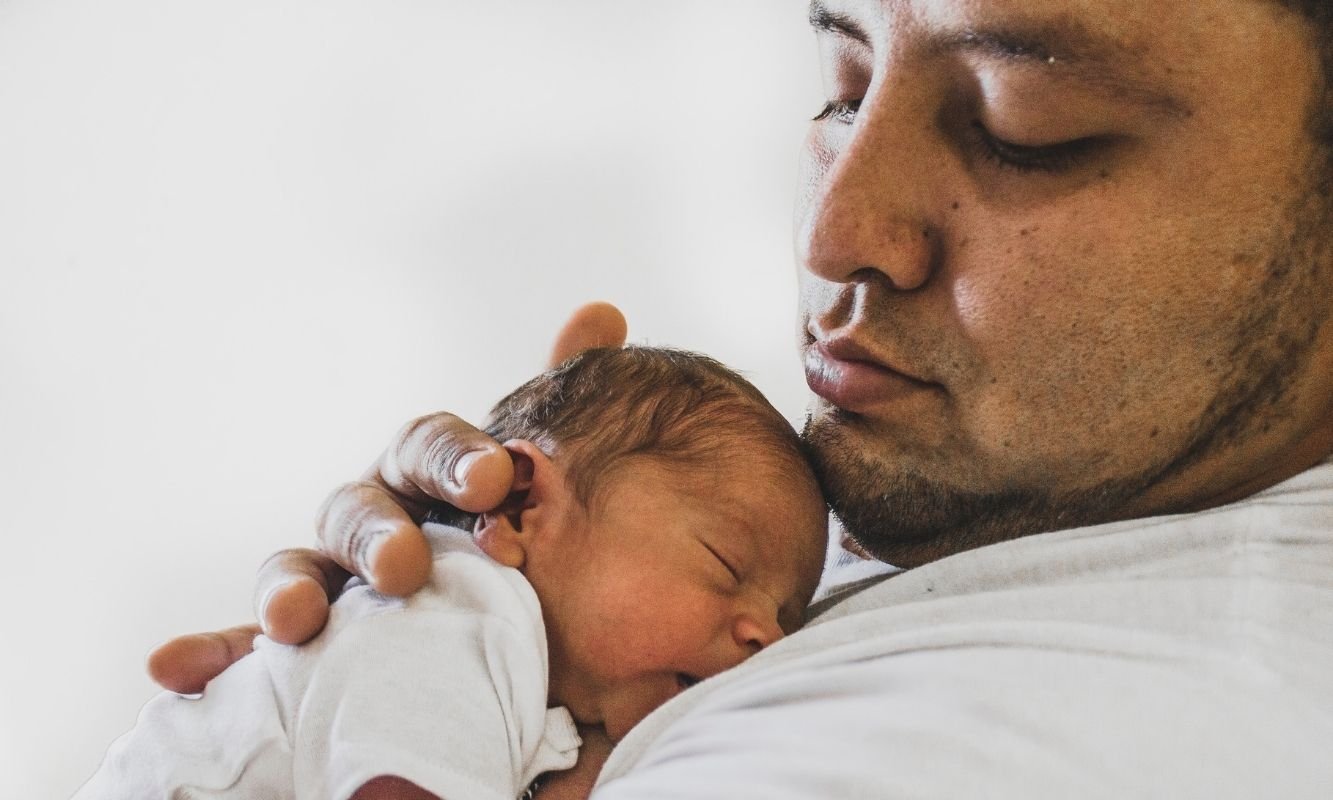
(464, 465)
(268, 598)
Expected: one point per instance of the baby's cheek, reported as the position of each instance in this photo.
(661, 641)
(638, 651)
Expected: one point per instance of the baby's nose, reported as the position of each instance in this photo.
(754, 632)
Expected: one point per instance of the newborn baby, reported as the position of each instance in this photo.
(663, 527)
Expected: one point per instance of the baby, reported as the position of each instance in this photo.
(663, 527)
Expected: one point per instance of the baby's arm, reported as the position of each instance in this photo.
(231, 740)
(572, 784)
(439, 695)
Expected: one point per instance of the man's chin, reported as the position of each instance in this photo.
(905, 515)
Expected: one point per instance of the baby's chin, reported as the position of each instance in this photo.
(622, 711)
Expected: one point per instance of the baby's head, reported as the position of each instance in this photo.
(666, 518)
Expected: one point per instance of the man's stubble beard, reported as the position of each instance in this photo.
(907, 518)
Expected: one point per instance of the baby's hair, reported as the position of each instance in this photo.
(682, 410)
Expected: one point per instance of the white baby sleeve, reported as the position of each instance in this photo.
(439, 698)
(230, 743)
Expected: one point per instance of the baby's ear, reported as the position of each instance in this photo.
(506, 532)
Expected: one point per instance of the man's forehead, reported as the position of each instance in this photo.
(1028, 29)
(1070, 43)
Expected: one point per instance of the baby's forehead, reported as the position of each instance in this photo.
(731, 470)
(752, 481)
(759, 465)
(772, 478)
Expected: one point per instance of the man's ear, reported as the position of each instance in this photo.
(506, 532)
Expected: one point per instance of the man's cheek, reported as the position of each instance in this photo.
(1033, 339)
(974, 306)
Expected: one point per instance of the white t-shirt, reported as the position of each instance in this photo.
(1174, 657)
(446, 689)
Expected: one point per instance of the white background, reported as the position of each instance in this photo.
(241, 242)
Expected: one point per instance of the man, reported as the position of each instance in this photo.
(1066, 270)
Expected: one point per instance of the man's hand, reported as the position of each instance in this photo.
(371, 527)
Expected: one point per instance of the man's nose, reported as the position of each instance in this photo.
(866, 190)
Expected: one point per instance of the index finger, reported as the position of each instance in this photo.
(372, 527)
(441, 458)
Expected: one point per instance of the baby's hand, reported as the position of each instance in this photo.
(389, 787)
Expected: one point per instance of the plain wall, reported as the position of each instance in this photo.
(242, 242)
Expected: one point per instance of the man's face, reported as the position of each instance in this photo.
(1061, 263)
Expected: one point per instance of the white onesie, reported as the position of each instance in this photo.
(446, 689)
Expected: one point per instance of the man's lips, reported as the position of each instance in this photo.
(850, 377)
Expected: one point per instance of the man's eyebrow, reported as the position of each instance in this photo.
(1064, 46)
(1066, 41)
(827, 21)
(1071, 51)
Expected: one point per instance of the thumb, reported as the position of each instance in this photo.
(596, 324)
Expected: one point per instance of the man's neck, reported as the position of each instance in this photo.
(1309, 451)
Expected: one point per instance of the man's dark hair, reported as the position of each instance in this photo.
(682, 410)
